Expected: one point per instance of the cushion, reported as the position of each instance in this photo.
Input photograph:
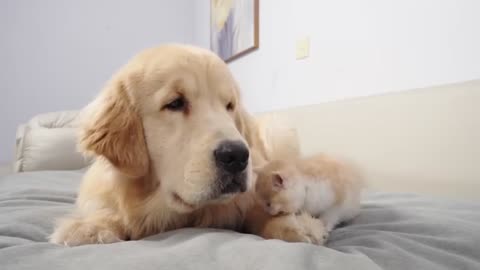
(48, 142)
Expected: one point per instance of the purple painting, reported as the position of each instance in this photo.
(233, 27)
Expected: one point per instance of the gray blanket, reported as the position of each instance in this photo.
(393, 231)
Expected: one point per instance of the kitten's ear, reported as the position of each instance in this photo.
(278, 181)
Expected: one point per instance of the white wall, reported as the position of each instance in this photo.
(358, 48)
(57, 54)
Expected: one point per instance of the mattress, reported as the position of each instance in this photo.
(393, 231)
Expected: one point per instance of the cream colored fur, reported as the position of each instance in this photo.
(318, 185)
(154, 169)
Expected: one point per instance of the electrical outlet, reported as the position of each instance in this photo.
(303, 48)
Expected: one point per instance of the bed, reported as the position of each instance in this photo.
(393, 231)
(424, 228)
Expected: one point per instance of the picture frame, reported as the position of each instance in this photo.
(234, 28)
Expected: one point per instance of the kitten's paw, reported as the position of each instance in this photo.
(295, 235)
(314, 229)
(301, 228)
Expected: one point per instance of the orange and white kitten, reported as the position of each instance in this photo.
(319, 185)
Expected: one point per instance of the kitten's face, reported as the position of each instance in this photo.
(273, 201)
(277, 203)
(277, 193)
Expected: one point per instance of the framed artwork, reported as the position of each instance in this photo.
(233, 27)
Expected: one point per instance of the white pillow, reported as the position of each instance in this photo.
(48, 142)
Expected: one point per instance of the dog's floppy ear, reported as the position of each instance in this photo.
(112, 128)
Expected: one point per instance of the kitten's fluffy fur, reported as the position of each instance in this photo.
(319, 185)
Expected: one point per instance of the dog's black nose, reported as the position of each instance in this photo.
(231, 156)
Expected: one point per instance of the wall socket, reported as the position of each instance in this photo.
(303, 48)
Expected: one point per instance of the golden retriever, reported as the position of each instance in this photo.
(174, 148)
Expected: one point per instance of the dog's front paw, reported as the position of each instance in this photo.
(75, 232)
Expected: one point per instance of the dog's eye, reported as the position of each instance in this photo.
(269, 204)
(178, 104)
(230, 106)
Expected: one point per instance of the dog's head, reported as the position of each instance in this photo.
(173, 114)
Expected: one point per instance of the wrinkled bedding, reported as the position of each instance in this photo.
(393, 231)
